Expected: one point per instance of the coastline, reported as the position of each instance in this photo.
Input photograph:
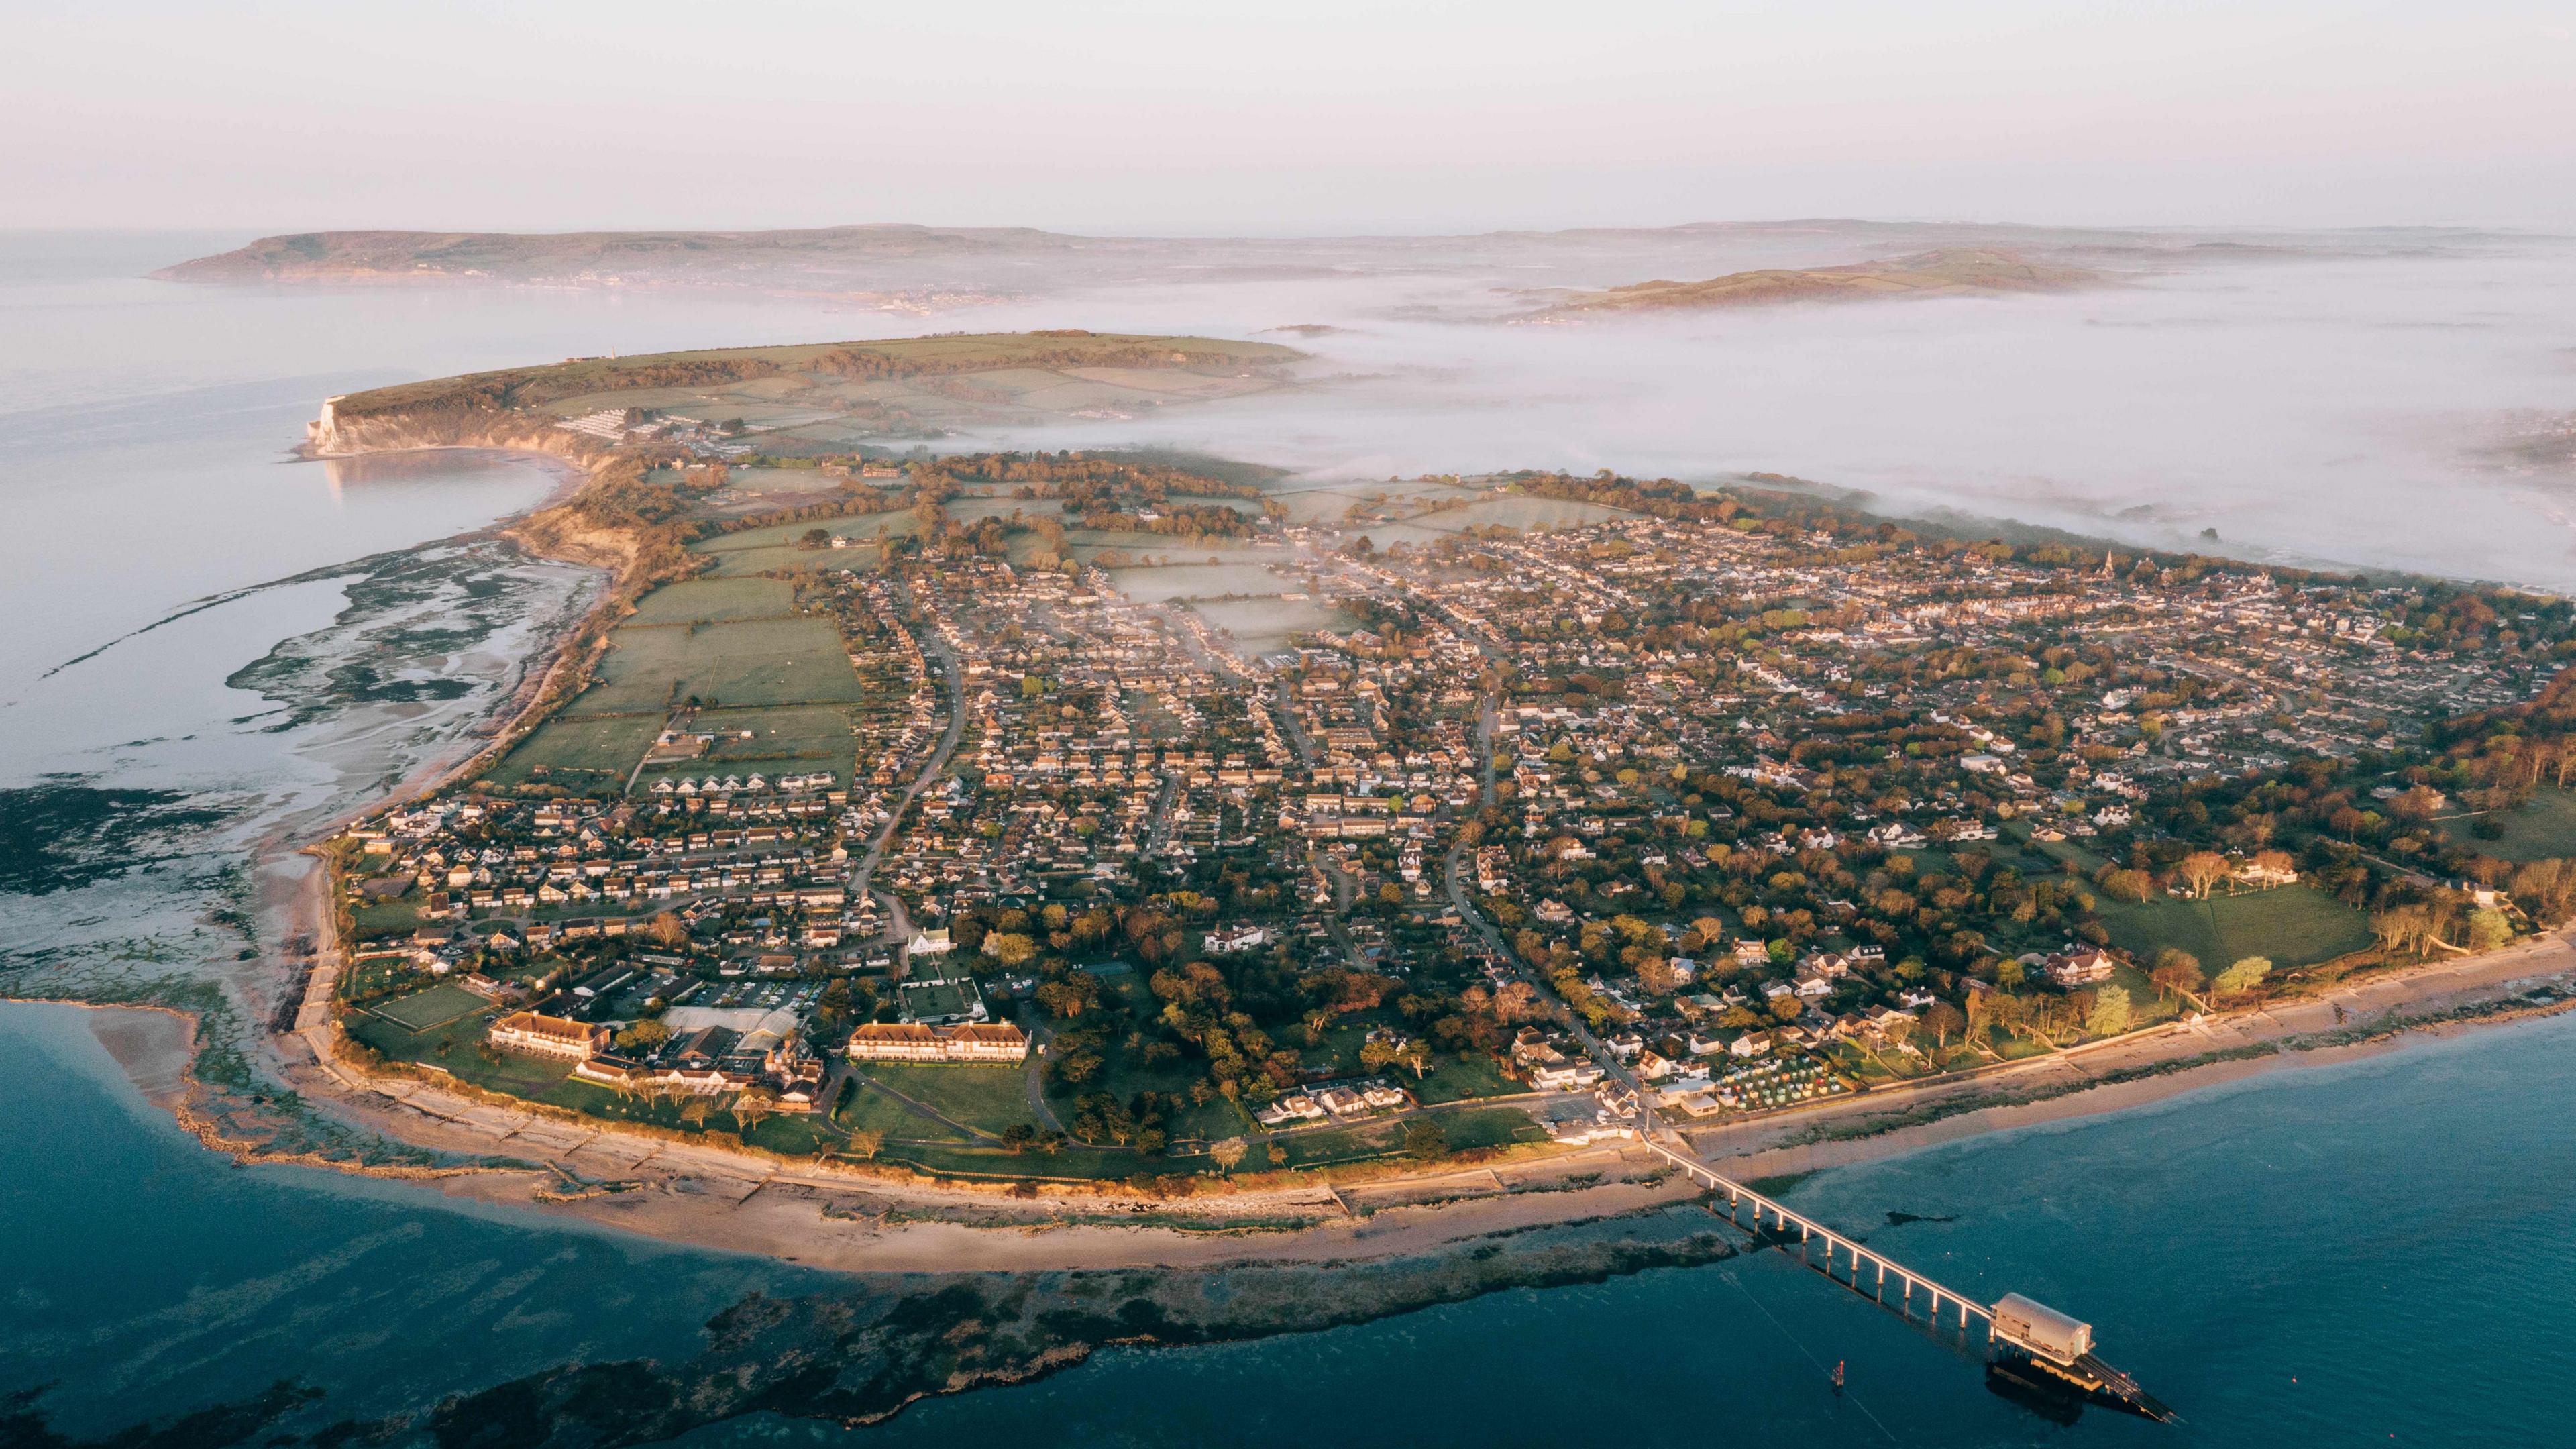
(869, 1218)
(823, 1215)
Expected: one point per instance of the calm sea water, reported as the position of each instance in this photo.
(2379, 1251)
(2382, 1252)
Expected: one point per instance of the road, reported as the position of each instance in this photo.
(1486, 723)
(1601, 1055)
(953, 682)
(1288, 719)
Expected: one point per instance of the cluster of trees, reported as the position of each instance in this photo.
(1661, 497)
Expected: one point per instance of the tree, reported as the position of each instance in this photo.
(643, 1036)
(1018, 1136)
(2132, 886)
(1228, 1152)
(1417, 1055)
(1376, 1052)
(667, 929)
(750, 1106)
(1070, 995)
(2244, 976)
(1277, 1154)
(2274, 864)
(866, 1143)
(2488, 929)
(815, 537)
(2201, 870)
(1943, 1019)
(1011, 948)
(2177, 972)
(2110, 1015)
(1424, 1141)
(694, 1115)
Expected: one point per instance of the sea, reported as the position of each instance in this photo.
(213, 646)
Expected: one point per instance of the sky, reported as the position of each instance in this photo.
(1313, 117)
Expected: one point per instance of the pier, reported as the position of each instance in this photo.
(2059, 1346)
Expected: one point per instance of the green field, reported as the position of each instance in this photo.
(2293, 925)
(2543, 829)
(796, 740)
(757, 663)
(741, 563)
(1455, 1079)
(875, 1110)
(383, 918)
(701, 601)
(425, 1011)
(778, 536)
(988, 1098)
(1465, 1129)
(581, 754)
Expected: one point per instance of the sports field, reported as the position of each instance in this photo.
(429, 1010)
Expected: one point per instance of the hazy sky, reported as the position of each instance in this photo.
(1313, 116)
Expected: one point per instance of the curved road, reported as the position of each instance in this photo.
(953, 681)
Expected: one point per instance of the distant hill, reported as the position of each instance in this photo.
(509, 256)
(1946, 272)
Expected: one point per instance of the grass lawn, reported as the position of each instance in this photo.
(2544, 828)
(1361, 1142)
(2293, 925)
(1455, 1079)
(987, 1097)
(426, 1011)
(1344, 1144)
(385, 918)
(380, 976)
(872, 1110)
(1488, 1127)
(457, 1047)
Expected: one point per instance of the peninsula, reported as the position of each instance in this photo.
(1947, 272)
(1033, 836)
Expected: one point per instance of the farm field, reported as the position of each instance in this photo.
(1261, 625)
(744, 563)
(714, 601)
(784, 535)
(580, 754)
(792, 740)
(2293, 925)
(1522, 513)
(764, 662)
(1161, 583)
